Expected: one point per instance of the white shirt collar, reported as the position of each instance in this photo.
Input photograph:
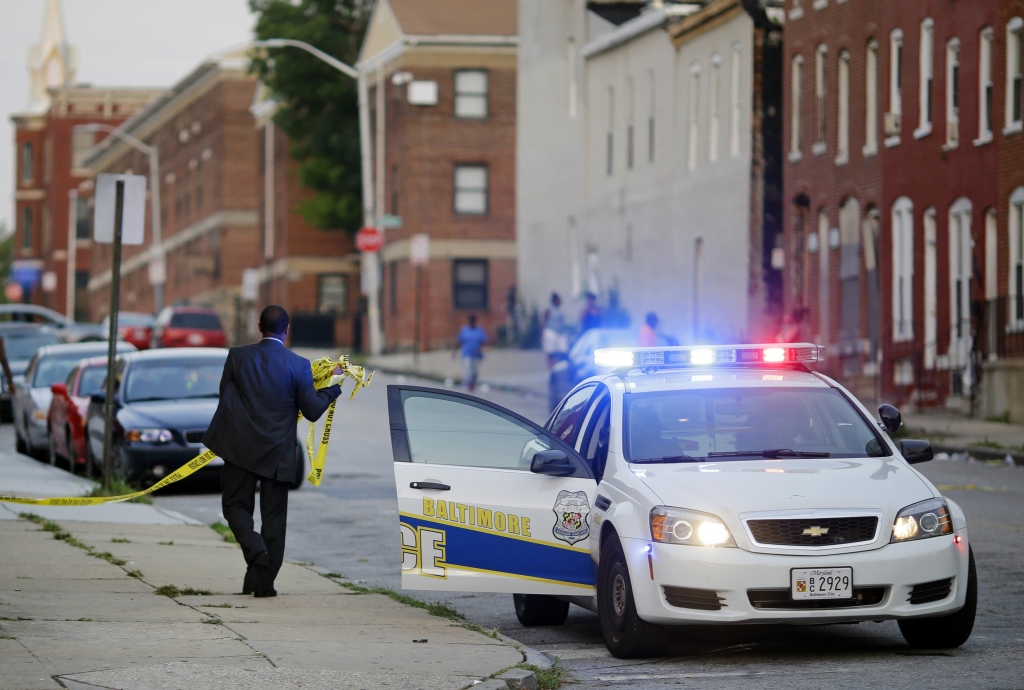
(267, 337)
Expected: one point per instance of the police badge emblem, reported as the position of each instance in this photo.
(571, 509)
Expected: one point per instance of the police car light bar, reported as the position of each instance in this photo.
(653, 357)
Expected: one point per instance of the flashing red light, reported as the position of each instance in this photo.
(957, 539)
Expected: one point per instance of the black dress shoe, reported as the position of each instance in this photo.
(262, 560)
(266, 593)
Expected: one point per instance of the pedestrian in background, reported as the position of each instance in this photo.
(648, 335)
(554, 339)
(591, 316)
(472, 339)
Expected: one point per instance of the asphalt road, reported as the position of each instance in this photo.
(348, 526)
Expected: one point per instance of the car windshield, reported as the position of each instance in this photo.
(24, 345)
(738, 423)
(91, 380)
(198, 321)
(173, 380)
(52, 370)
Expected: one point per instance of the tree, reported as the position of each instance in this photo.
(318, 105)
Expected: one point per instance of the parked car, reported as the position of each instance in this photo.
(165, 401)
(134, 327)
(32, 395)
(68, 330)
(21, 340)
(68, 408)
(188, 327)
(581, 354)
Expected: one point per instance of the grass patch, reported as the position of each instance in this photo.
(19, 618)
(489, 632)
(108, 557)
(224, 531)
(548, 678)
(213, 621)
(989, 444)
(119, 487)
(135, 573)
(335, 575)
(166, 543)
(167, 591)
(57, 531)
(119, 540)
(172, 591)
(1004, 418)
(193, 592)
(223, 606)
(8, 637)
(434, 608)
(82, 620)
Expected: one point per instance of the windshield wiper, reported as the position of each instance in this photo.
(772, 453)
(668, 458)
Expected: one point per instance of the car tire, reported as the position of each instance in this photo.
(300, 469)
(626, 635)
(946, 632)
(540, 609)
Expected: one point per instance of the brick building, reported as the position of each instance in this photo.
(900, 118)
(52, 188)
(442, 76)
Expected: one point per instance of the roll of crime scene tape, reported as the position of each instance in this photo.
(323, 376)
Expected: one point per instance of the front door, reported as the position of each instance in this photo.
(473, 516)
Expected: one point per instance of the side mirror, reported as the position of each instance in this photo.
(891, 419)
(554, 463)
(59, 388)
(914, 451)
(99, 397)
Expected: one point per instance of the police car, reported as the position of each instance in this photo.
(691, 485)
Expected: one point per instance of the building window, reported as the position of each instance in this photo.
(796, 73)
(1014, 74)
(83, 218)
(471, 189)
(952, 93)
(893, 117)
(1016, 286)
(28, 172)
(630, 114)
(985, 88)
(570, 68)
(332, 294)
(610, 139)
(871, 99)
(26, 227)
(924, 124)
(694, 115)
(81, 142)
(820, 128)
(903, 270)
(81, 280)
(931, 310)
(469, 284)
(960, 244)
(471, 93)
(650, 115)
(714, 115)
(843, 119)
(796, 9)
(735, 103)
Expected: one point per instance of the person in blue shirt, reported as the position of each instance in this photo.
(471, 345)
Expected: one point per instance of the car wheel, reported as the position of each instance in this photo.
(948, 631)
(300, 469)
(540, 609)
(626, 635)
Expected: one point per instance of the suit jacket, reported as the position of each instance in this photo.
(262, 391)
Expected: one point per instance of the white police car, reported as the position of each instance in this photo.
(726, 484)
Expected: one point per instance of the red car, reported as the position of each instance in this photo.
(188, 327)
(68, 410)
(134, 327)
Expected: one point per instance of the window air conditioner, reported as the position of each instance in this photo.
(892, 124)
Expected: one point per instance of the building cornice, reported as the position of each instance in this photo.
(712, 15)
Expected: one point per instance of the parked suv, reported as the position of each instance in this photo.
(188, 327)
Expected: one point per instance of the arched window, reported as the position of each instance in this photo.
(960, 254)
(1014, 75)
(27, 162)
(843, 118)
(1015, 289)
(931, 307)
(903, 270)
(796, 77)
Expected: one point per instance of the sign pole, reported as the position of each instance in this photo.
(115, 290)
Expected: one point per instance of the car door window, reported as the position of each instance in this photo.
(443, 430)
(596, 439)
(565, 424)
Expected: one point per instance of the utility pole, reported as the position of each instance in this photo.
(115, 290)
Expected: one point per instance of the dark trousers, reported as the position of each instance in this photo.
(238, 503)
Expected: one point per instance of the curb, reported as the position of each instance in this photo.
(504, 388)
(980, 453)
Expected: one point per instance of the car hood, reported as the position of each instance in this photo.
(733, 490)
(182, 415)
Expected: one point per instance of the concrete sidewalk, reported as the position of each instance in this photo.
(954, 433)
(504, 368)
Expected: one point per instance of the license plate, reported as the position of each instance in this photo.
(821, 583)
(196, 339)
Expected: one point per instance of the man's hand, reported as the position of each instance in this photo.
(337, 371)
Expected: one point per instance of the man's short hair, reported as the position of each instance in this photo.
(472, 319)
(274, 320)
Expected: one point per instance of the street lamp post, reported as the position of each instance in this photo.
(156, 248)
(370, 262)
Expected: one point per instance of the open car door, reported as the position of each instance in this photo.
(488, 501)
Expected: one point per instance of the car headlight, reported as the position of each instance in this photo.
(149, 435)
(679, 526)
(922, 520)
(39, 415)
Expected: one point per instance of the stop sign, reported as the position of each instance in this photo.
(369, 240)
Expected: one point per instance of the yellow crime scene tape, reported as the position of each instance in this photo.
(323, 377)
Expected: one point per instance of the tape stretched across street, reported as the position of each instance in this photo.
(322, 378)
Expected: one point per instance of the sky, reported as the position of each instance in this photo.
(150, 43)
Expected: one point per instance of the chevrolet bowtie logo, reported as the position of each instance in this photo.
(816, 531)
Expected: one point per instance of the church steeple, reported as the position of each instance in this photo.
(52, 61)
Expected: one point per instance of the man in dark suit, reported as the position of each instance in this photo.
(262, 391)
